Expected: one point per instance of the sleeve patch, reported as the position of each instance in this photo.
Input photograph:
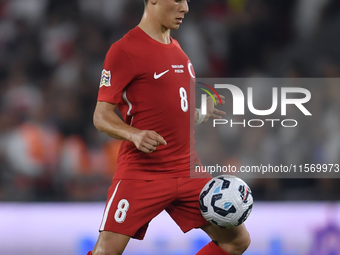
(106, 79)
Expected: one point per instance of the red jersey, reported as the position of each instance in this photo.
(153, 85)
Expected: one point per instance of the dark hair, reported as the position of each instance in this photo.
(145, 1)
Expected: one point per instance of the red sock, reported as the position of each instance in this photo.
(212, 249)
(89, 253)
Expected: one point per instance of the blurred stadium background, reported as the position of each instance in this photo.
(51, 56)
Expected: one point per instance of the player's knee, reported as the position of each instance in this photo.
(238, 245)
(246, 243)
(241, 245)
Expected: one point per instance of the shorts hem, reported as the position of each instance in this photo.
(125, 234)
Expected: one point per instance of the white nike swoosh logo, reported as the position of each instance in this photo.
(157, 76)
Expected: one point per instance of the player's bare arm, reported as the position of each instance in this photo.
(107, 121)
(212, 112)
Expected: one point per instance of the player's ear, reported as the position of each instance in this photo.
(153, 1)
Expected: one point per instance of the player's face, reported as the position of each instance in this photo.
(171, 12)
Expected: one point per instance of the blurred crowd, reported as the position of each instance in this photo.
(51, 57)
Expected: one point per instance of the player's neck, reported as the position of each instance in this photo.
(155, 30)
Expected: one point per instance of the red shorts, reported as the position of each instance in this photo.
(132, 204)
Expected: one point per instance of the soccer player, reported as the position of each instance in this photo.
(152, 82)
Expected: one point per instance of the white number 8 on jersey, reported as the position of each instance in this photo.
(184, 99)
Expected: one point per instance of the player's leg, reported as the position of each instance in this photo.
(131, 205)
(186, 213)
(110, 243)
(233, 241)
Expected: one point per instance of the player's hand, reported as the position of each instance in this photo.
(147, 141)
(212, 112)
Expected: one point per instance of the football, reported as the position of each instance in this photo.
(226, 201)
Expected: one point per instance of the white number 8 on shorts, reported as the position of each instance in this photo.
(122, 208)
